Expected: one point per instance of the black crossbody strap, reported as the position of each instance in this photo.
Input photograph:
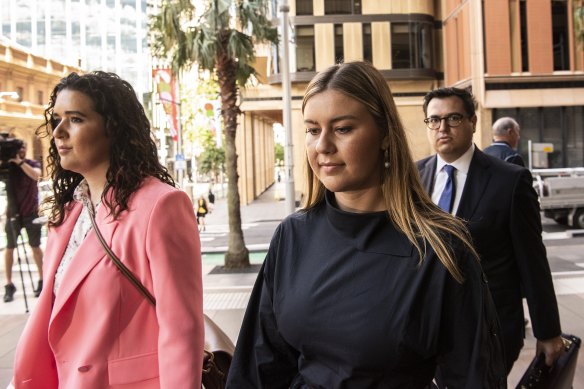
(123, 268)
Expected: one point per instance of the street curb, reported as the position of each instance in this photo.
(250, 247)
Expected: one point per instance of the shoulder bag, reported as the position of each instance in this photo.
(219, 348)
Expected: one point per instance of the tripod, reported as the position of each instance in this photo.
(15, 235)
(13, 219)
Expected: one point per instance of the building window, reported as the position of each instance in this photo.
(41, 29)
(342, 7)
(523, 34)
(24, 24)
(400, 46)
(40, 97)
(411, 45)
(275, 59)
(574, 136)
(423, 38)
(304, 7)
(20, 91)
(339, 48)
(553, 118)
(305, 49)
(560, 35)
(367, 43)
(5, 17)
(57, 24)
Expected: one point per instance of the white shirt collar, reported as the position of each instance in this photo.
(462, 164)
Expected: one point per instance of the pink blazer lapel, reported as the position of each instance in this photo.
(89, 254)
(57, 244)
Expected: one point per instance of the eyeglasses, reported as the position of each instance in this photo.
(454, 120)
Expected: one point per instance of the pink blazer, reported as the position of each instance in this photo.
(100, 332)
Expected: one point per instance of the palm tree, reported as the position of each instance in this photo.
(221, 40)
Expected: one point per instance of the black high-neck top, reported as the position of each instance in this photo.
(343, 301)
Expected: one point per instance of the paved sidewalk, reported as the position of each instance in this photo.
(226, 295)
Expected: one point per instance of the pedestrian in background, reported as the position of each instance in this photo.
(497, 201)
(506, 134)
(202, 211)
(211, 197)
(92, 328)
(370, 285)
(22, 208)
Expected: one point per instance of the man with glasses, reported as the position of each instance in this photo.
(501, 209)
(505, 141)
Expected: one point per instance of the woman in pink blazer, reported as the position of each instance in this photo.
(91, 327)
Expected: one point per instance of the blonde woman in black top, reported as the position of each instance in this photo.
(371, 285)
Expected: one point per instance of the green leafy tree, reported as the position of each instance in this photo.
(212, 159)
(220, 40)
(279, 152)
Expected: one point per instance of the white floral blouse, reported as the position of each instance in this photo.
(82, 227)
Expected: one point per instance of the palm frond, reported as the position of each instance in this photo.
(243, 73)
(240, 46)
(252, 15)
(186, 41)
(222, 6)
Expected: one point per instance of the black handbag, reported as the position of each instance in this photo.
(218, 354)
(560, 375)
(218, 350)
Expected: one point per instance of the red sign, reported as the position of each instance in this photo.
(166, 87)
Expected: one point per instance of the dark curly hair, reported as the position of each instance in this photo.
(133, 154)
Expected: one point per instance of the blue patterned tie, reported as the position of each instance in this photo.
(447, 196)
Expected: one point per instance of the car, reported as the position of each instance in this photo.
(561, 194)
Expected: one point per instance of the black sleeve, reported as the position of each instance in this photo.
(262, 357)
(471, 349)
(531, 257)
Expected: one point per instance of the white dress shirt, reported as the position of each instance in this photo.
(462, 165)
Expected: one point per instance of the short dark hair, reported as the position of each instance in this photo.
(133, 154)
(465, 95)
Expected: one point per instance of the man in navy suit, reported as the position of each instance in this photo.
(505, 141)
(501, 209)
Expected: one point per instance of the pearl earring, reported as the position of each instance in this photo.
(386, 164)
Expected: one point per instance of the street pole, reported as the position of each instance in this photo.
(287, 114)
(179, 144)
(529, 154)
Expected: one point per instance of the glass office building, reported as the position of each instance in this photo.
(108, 35)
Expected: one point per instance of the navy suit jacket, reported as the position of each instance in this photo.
(502, 150)
(501, 210)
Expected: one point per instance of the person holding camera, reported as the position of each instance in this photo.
(21, 210)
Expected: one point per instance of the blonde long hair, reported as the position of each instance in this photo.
(409, 206)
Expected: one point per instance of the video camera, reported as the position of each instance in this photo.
(9, 148)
